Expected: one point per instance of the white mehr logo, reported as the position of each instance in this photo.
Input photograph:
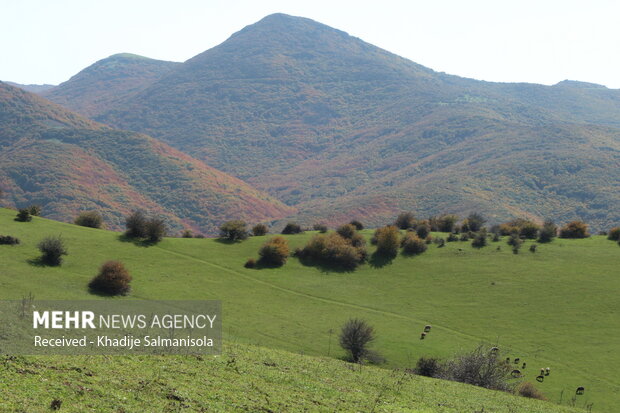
(63, 319)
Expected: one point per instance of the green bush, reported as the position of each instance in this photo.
(113, 279)
(23, 215)
(527, 389)
(259, 230)
(412, 244)
(320, 227)
(452, 237)
(355, 336)
(446, 223)
(423, 230)
(575, 229)
(479, 368)
(548, 232)
(428, 367)
(473, 222)
(405, 220)
(292, 228)
(357, 224)
(187, 234)
(155, 230)
(387, 240)
(35, 210)
(8, 240)
(234, 230)
(529, 230)
(250, 263)
(90, 219)
(480, 240)
(274, 252)
(53, 249)
(136, 225)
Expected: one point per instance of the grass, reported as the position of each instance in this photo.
(555, 308)
(245, 378)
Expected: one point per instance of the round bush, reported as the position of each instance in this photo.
(274, 252)
(259, 230)
(8, 240)
(113, 279)
(575, 229)
(234, 230)
(357, 224)
(292, 228)
(346, 231)
(52, 248)
(412, 244)
(614, 234)
(387, 241)
(91, 219)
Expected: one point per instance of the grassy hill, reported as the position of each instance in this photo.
(97, 87)
(555, 308)
(66, 163)
(244, 378)
(326, 122)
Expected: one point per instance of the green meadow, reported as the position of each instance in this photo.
(555, 308)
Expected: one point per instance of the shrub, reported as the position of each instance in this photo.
(473, 222)
(292, 228)
(23, 215)
(53, 249)
(428, 367)
(533, 248)
(446, 223)
(334, 249)
(515, 242)
(355, 336)
(346, 231)
(480, 240)
(388, 241)
(113, 279)
(35, 210)
(529, 230)
(187, 234)
(8, 240)
(136, 225)
(259, 230)
(496, 237)
(479, 368)
(155, 230)
(464, 236)
(452, 237)
(274, 252)
(412, 244)
(320, 227)
(250, 263)
(90, 219)
(423, 230)
(405, 220)
(357, 224)
(440, 242)
(234, 230)
(527, 389)
(614, 234)
(548, 232)
(357, 240)
(575, 229)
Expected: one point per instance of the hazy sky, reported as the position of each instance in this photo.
(544, 41)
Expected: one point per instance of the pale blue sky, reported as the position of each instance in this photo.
(544, 41)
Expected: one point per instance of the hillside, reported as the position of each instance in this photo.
(32, 88)
(531, 305)
(65, 163)
(242, 379)
(325, 121)
(97, 88)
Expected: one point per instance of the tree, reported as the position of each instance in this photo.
(155, 230)
(23, 215)
(346, 231)
(423, 230)
(113, 279)
(259, 230)
(529, 230)
(548, 232)
(446, 223)
(234, 230)
(357, 224)
(575, 229)
(387, 240)
(335, 250)
(322, 228)
(480, 240)
(274, 252)
(355, 336)
(515, 242)
(614, 234)
(136, 225)
(91, 219)
(412, 244)
(53, 249)
(475, 221)
(292, 228)
(405, 220)
(35, 210)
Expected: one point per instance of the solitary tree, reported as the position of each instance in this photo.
(405, 220)
(234, 230)
(259, 230)
(355, 336)
(136, 225)
(113, 279)
(91, 219)
(475, 221)
(52, 248)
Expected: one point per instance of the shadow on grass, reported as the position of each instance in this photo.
(324, 267)
(40, 262)
(139, 242)
(228, 241)
(380, 260)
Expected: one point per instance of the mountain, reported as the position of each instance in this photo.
(32, 88)
(66, 163)
(337, 128)
(97, 87)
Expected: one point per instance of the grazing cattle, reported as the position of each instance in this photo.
(524, 364)
(422, 336)
(427, 328)
(494, 350)
(547, 371)
(540, 378)
(580, 390)
(516, 373)
(517, 360)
